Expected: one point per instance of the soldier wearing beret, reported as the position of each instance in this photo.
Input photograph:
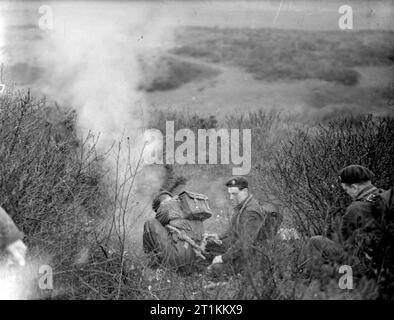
(246, 228)
(346, 239)
(11, 243)
(356, 181)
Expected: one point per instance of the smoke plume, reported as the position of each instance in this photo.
(92, 60)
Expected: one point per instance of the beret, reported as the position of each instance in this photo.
(239, 182)
(355, 174)
(156, 200)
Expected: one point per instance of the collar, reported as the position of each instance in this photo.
(242, 205)
(366, 192)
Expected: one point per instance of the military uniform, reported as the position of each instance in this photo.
(9, 232)
(161, 237)
(347, 237)
(358, 218)
(245, 231)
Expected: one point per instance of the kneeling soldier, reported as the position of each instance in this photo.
(246, 229)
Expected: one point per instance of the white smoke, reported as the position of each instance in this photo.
(92, 60)
(3, 53)
(10, 285)
(19, 283)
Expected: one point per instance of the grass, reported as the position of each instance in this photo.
(273, 55)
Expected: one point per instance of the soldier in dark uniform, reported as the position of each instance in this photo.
(347, 240)
(11, 244)
(245, 230)
(169, 238)
(358, 218)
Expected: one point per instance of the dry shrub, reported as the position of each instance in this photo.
(54, 186)
(304, 174)
(50, 180)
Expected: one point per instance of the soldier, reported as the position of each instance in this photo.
(172, 240)
(11, 244)
(356, 181)
(347, 237)
(245, 230)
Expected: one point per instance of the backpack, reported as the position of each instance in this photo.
(195, 205)
(382, 247)
(272, 222)
(383, 209)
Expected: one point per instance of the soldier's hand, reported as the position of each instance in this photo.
(212, 237)
(217, 259)
(17, 251)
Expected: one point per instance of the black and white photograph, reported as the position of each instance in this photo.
(204, 151)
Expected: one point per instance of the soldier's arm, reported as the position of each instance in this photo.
(350, 222)
(163, 215)
(9, 233)
(249, 232)
(169, 211)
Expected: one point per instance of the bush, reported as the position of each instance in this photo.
(181, 120)
(304, 172)
(73, 210)
(347, 77)
(50, 182)
(272, 275)
(170, 73)
(53, 185)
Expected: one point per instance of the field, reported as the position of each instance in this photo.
(317, 73)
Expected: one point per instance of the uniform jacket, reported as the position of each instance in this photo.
(357, 218)
(245, 229)
(172, 215)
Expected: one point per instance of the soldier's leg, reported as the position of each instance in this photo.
(184, 256)
(222, 270)
(328, 249)
(319, 250)
(158, 242)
